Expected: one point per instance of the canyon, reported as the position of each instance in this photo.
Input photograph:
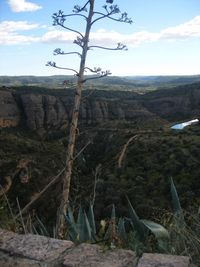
(51, 109)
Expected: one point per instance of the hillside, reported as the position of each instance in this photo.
(34, 134)
(132, 83)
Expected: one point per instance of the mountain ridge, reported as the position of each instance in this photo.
(133, 83)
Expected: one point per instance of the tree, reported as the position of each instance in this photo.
(90, 16)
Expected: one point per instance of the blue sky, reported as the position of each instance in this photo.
(163, 40)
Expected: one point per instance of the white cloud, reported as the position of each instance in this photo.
(13, 26)
(189, 29)
(58, 36)
(183, 31)
(23, 6)
(14, 39)
(9, 32)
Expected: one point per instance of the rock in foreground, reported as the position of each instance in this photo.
(40, 251)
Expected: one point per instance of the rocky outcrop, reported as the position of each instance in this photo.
(176, 103)
(9, 111)
(51, 109)
(172, 107)
(43, 112)
(34, 251)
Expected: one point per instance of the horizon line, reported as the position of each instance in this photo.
(128, 75)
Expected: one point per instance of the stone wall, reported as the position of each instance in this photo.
(39, 251)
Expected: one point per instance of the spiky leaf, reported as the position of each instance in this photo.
(80, 220)
(85, 230)
(91, 219)
(161, 234)
(70, 215)
(175, 199)
(122, 231)
(178, 213)
(137, 225)
(72, 229)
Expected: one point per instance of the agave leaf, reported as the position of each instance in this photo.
(136, 223)
(178, 213)
(80, 220)
(175, 199)
(157, 229)
(161, 234)
(72, 229)
(122, 231)
(85, 230)
(70, 215)
(91, 219)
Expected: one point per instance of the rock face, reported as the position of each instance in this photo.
(43, 112)
(51, 110)
(9, 111)
(176, 103)
(34, 251)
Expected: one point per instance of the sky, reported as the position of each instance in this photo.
(164, 38)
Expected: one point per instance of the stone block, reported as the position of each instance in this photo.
(163, 260)
(86, 255)
(35, 247)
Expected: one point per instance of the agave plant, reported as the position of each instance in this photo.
(112, 231)
(184, 238)
(143, 228)
(116, 234)
(84, 229)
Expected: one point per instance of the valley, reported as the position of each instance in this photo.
(127, 149)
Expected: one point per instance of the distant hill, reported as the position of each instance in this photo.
(126, 83)
(158, 81)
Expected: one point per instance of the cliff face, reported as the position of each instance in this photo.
(41, 112)
(174, 104)
(9, 111)
(46, 111)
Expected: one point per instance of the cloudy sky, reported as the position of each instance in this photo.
(164, 38)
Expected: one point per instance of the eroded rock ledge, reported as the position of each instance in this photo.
(34, 251)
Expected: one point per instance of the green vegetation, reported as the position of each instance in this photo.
(150, 159)
(129, 83)
(154, 155)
